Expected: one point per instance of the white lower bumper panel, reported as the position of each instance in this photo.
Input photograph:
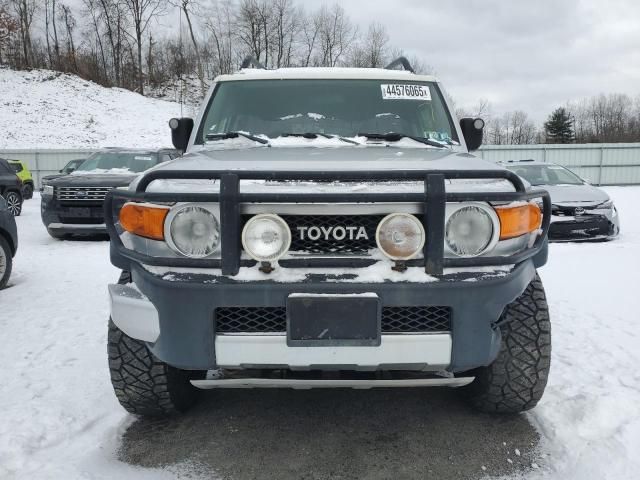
(134, 314)
(431, 350)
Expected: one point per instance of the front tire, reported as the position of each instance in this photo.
(143, 384)
(516, 380)
(27, 191)
(6, 262)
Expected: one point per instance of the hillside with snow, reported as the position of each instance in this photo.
(46, 109)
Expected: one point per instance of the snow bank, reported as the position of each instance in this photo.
(589, 417)
(46, 109)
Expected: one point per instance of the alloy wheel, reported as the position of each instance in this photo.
(13, 203)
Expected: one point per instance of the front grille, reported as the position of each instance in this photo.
(395, 319)
(82, 194)
(314, 240)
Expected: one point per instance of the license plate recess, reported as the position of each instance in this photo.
(333, 320)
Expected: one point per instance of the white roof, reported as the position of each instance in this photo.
(325, 72)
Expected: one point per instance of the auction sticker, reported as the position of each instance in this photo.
(401, 91)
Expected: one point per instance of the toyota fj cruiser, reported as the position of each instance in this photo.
(327, 227)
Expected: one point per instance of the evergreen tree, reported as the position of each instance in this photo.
(559, 127)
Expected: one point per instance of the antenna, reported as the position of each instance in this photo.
(400, 61)
(250, 61)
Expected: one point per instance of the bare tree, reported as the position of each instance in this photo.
(25, 10)
(287, 27)
(336, 34)
(69, 21)
(310, 33)
(187, 7)
(143, 12)
(220, 25)
(8, 27)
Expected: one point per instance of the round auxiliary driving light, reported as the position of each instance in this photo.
(174, 123)
(400, 236)
(469, 231)
(266, 237)
(193, 231)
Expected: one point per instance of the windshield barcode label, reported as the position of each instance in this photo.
(405, 92)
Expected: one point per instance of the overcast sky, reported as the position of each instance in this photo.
(525, 55)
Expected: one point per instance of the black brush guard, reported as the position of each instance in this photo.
(230, 197)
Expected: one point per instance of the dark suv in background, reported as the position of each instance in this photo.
(70, 167)
(72, 204)
(8, 242)
(10, 187)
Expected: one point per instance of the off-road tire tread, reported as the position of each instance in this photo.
(516, 380)
(143, 384)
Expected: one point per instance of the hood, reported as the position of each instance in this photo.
(92, 180)
(332, 159)
(585, 195)
(349, 159)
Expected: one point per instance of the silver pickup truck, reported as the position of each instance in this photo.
(327, 227)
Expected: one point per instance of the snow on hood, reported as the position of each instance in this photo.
(575, 194)
(335, 159)
(342, 158)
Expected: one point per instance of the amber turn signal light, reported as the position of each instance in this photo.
(144, 220)
(516, 221)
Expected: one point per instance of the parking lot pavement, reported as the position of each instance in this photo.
(337, 434)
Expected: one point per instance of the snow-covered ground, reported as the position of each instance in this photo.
(60, 419)
(46, 109)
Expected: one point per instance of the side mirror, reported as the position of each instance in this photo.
(180, 132)
(472, 129)
(71, 169)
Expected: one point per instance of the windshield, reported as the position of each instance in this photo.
(345, 108)
(17, 167)
(546, 175)
(135, 162)
(72, 165)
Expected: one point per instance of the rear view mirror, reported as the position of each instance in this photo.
(180, 132)
(472, 129)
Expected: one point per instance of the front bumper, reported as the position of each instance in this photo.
(176, 319)
(589, 226)
(74, 220)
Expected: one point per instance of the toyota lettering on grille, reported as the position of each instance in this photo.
(337, 233)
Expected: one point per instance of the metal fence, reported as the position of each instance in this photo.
(44, 162)
(600, 163)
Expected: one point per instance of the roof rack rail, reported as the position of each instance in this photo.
(400, 61)
(250, 61)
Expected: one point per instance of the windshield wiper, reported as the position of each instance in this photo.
(226, 135)
(395, 137)
(312, 135)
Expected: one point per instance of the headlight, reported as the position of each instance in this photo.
(193, 231)
(470, 231)
(608, 205)
(400, 236)
(266, 237)
(47, 190)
